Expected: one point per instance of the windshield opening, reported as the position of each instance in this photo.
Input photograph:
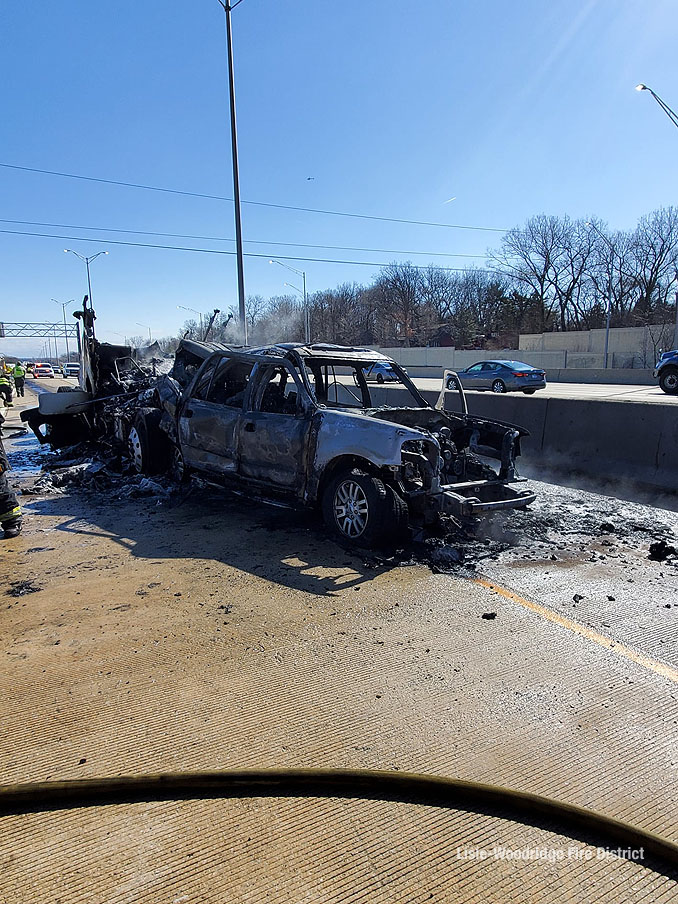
(349, 385)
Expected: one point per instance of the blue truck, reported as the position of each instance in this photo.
(666, 370)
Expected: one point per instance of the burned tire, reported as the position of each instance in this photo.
(400, 516)
(380, 378)
(498, 386)
(357, 509)
(668, 380)
(177, 466)
(147, 445)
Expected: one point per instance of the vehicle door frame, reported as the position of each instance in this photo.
(473, 378)
(269, 442)
(220, 452)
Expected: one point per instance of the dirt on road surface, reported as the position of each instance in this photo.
(190, 630)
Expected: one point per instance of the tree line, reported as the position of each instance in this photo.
(552, 274)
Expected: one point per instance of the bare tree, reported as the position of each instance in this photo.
(569, 273)
(336, 313)
(255, 308)
(401, 286)
(529, 257)
(611, 276)
(655, 252)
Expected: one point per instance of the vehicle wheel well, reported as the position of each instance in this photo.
(345, 463)
(668, 373)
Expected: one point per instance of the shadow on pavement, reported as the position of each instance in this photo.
(282, 546)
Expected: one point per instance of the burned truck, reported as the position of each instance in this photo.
(299, 425)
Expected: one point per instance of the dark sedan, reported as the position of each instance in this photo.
(503, 376)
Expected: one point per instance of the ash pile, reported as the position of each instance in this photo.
(564, 525)
(86, 468)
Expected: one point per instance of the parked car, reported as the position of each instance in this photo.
(43, 370)
(666, 370)
(503, 376)
(70, 370)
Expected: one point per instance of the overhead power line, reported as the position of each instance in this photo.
(216, 238)
(194, 194)
(315, 260)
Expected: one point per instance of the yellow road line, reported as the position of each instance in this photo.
(660, 668)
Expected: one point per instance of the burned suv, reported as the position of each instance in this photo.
(299, 424)
(296, 424)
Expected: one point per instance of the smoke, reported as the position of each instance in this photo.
(559, 470)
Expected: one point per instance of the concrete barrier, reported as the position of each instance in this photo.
(602, 440)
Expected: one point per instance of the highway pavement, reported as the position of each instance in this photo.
(145, 634)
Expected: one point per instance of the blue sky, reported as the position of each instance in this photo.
(391, 107)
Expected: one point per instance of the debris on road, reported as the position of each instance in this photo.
(660, 551)
(21, 588)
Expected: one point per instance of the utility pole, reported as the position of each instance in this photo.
(227, 7)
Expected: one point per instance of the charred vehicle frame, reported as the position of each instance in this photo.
(296, 424)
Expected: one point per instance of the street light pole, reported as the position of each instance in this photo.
(227, 7)
(307, 314)
(87, 261)
(64, 305)
(181, 307)
(665, 107)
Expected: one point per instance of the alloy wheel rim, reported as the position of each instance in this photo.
(135, 448)
(351, 508)
(178, 464)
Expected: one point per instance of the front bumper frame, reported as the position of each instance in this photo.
(481, 497)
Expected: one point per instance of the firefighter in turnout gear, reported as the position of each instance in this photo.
(10, 513)
(6, 387)
(19, 374)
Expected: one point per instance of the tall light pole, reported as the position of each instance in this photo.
(665, 107)
(307, 315)
(88, 261)
(227, 7)
(64, 305)
(146, 326)
(181, 307)
(609, 288)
